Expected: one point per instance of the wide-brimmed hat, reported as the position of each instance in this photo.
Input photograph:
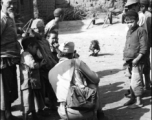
(131, 2)
(67, 47)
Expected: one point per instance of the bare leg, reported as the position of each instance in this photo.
(25, 116)
(3, 117)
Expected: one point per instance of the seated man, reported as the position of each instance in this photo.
(60, 77)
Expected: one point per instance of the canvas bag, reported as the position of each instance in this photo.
(78, 98)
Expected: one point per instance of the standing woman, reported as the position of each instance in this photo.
(10, 56)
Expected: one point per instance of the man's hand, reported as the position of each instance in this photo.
(136, 60)
(56, 45)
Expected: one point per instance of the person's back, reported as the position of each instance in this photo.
(60, 77)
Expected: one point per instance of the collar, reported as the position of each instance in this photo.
(2, 13)
(63, 59)
(133, 29)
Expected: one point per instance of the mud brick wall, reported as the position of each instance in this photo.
(25, 9)
(74, 3)
(90, 3)
(46, 8)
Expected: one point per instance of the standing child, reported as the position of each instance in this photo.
(31, 97)
(135, 52)
(94, 48)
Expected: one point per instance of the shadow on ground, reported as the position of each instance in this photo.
(71, 27)
(108, 72)
(115, 93)
(105, 54)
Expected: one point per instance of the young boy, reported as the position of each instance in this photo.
(52, 38)
(31, 97)
(135, 52)
(53, 25)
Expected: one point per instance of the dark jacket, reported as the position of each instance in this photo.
(136, 43)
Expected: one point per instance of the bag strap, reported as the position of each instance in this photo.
(73, 64)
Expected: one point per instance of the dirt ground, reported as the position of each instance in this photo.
(108, 65)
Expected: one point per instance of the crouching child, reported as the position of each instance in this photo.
(94, 48)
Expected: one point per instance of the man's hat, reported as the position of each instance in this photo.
(37, 23)
(58, 12)
(131, 2)
(67, 47)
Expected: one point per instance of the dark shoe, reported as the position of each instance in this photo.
(135, 106)
(44, 113)
(100, 115)
(130, 102)
(14, 118)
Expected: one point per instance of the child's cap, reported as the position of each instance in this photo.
(132, 13)
(67, 47)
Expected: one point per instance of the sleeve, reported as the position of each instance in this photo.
(93, 77)
(143, 41)
(29, 61)
(24, 76)
(3, 23)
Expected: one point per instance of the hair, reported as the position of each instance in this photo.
(67, 55)
(28, 41)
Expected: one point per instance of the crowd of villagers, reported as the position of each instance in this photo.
(48, 70)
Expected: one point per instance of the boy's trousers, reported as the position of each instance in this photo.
(137, 80)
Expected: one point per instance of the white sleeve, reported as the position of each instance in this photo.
(29, 61)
